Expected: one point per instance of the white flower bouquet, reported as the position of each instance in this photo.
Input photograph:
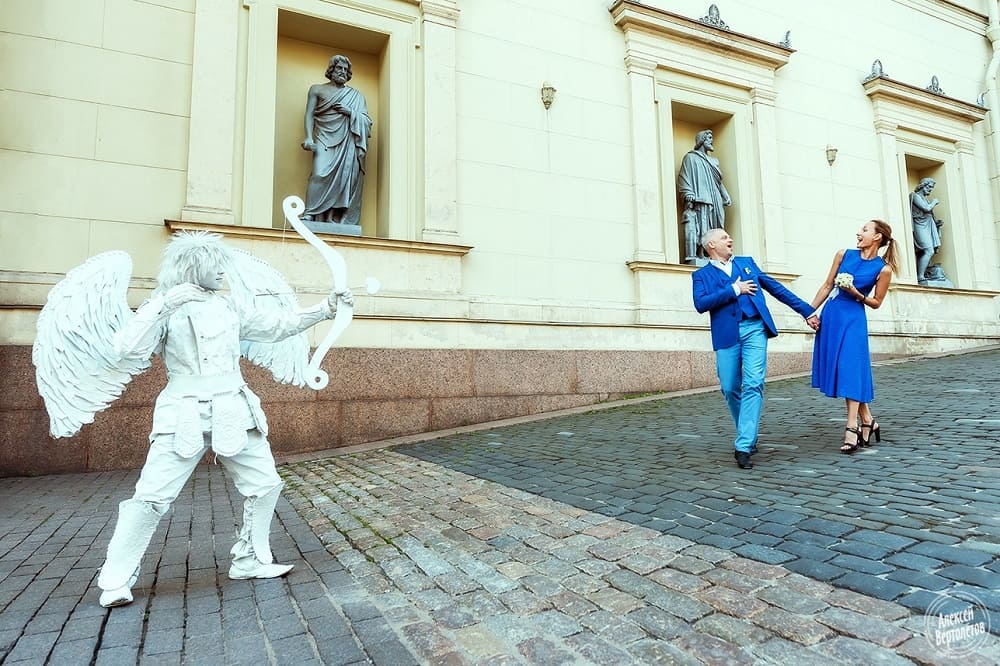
(843, 280)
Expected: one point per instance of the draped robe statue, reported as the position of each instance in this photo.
(337, 129)
(699, 183)
(926, 228)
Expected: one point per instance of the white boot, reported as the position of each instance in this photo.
(259, 570)
(137, 520)
(252, 556)
(119, 597)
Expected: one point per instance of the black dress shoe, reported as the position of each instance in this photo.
(753, 449)
(743, 460)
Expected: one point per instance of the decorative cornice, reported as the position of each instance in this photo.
(444, 12)
(631, 15)
(660, 267)
(290, 235)
(883, 88)
(964, 146)
(760, 95)
(639, 64)
(950, 12)
(883, 126)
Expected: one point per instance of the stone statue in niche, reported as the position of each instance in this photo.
(337, 131)
(926, 228)
(699, 184)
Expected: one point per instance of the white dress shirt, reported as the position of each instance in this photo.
(726, 268)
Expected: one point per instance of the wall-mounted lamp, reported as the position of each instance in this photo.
(831, 154)
(548, 95)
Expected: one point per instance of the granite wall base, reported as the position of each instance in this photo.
(374, 394)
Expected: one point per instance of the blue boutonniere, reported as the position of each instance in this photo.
(746, 270)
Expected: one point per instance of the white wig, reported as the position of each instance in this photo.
(188, 255)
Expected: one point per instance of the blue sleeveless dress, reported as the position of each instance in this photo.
(841, 358)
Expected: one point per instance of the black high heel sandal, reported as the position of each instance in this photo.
(848, 447)
(876, 431)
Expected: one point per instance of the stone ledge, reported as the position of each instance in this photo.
(290, 235)
(687, 269)
(922, 289)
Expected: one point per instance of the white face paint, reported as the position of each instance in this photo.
(210, 278)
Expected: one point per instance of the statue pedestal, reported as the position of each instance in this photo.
(333, 228)
(943, 283)
(934, 277)
(696, 261)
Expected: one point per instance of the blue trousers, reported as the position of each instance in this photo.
(742, 369)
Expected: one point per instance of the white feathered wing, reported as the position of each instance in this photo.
(76, 367)
(255, 285)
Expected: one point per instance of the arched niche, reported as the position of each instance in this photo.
(686, 121)
(922, 133)
(682, 73)
(288, 44)
(304, 46)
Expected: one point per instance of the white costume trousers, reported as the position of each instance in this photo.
(160, 482)
(165, 473)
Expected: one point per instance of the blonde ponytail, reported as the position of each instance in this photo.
(891, 256)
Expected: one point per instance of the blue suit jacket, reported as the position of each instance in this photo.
(713, 293)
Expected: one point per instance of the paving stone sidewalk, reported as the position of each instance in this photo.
(53, 534)
(614, 537)
(471, 571)
(910, 517)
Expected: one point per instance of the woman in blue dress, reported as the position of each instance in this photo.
(841, 358)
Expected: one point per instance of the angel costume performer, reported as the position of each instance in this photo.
(206, 403)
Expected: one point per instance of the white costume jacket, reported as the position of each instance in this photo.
(200, 345)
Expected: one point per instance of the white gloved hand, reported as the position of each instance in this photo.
(346, 297)
(183, 293)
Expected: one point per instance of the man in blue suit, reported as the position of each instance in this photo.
(727, 288)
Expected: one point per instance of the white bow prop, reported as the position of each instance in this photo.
(316, 377)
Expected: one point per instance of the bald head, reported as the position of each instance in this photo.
(718, 244)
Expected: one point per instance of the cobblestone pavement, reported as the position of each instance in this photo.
(916, 514)
(53, 534)
(618, 536)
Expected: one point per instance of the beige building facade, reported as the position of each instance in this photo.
(530, 255)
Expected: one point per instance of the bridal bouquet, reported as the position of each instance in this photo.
(843, 280)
